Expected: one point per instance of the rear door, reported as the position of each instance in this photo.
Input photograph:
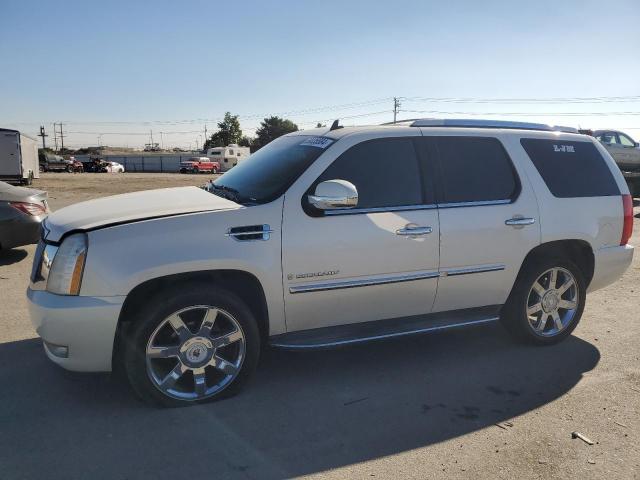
(9, 154)
(488, 221)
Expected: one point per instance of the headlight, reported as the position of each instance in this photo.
(65, 275)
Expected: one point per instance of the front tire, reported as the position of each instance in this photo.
(546, 303)
(192, 346)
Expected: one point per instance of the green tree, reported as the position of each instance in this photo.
(229, 132)
(320, 125)
(272, 128)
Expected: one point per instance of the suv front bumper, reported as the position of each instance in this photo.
(86, 326)
(610, 264)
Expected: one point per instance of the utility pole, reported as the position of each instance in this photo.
(152, 140)
(55, 137)
(161, 141)
(396, 108)
(61, 137)
(43, 134)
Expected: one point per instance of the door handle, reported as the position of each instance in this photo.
(520, 222)
(414, 230)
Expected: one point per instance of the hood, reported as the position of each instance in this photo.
(131, 207)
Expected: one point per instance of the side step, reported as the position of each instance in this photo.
(328, 337)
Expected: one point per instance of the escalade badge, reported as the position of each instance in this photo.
(326, 273)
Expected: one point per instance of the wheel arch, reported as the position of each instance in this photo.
(578, 251)
(242, 283)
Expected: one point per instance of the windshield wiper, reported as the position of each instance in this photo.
(232, 194)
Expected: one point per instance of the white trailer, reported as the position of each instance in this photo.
(228, 156)
(18, 157)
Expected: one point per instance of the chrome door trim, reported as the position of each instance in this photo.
(317, 287)
(480, 203)
(452, 272)
(386, 335)
(402, 208)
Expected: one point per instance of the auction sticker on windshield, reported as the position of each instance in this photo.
(320, 142)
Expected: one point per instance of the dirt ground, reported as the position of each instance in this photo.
(461, 404)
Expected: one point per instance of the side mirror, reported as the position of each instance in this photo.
(334, 195)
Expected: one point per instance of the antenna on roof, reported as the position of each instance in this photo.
(335, 126)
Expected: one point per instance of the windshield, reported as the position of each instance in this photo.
(267, 174)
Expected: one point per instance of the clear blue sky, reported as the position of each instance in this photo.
(92, 64)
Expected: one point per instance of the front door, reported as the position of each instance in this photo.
(342, 267)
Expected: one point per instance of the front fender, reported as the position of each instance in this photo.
(124, 256)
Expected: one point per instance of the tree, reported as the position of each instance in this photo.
(228, 132)
(320, 125)
(272, 128)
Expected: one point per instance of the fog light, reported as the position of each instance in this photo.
(59, 351)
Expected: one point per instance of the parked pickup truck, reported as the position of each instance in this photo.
(55, 163)
(199, 165)
(330, 237)
(626, 153)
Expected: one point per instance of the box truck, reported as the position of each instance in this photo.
(18, 157)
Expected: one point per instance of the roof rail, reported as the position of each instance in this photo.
(478, 123)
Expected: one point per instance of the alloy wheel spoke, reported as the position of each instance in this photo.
(566, 286)
(162, 352)
(207, 322)
(557, 320)
(542, 323)
(223, 365)
(553, 279)
(227, 339)
(200, 381)
(173, 376)
(533, 309)
(539, 289)
(567, 304)
(180, 328)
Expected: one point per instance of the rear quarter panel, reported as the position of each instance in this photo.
(596, 220)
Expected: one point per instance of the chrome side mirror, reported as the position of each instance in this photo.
(334, 195)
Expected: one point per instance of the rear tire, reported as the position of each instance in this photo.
(546, 302)
(208, 369)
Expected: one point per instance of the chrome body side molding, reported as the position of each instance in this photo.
(316, 287)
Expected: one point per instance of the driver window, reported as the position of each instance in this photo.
(384, 171)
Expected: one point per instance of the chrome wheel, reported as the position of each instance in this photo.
(195, 353)
(552, 302)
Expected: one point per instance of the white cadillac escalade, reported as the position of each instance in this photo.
(329, 237)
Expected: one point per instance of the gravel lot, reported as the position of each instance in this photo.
(423, 407)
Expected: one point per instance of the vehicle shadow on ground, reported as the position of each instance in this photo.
(302, 413)
(11, 256)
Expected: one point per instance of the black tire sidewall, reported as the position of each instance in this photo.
(514, 315)
(160, 307)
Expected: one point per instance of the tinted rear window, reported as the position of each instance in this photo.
(475, 169)
(571, 169)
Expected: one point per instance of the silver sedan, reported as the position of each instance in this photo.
(21, 212)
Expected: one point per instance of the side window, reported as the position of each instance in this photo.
(625, 141)
(608, 138)
(475, 169)
(571, 169)
(230, 152)
(385, 171)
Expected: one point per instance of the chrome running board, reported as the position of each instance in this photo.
(337, 336)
